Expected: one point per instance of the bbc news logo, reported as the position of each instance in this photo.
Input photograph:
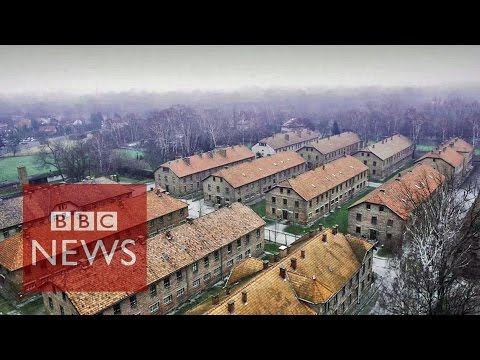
(83, 221)
(92, 239)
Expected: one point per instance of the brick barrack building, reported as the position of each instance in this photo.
(249, 181)
(181, 263)
(163, 212)
(386, 156)
(326, 274)
(181, 177)
(309, 196)
(383, 214)
(293, 141)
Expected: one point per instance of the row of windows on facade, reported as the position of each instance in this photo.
(180, 292)
(200, 175)
(391, 158)
(373, 233)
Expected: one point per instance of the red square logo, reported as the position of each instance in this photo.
(84, 237)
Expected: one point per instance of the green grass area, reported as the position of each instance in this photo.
(29, 307)
(477, 152)
(271, 247)
(259, 208)
(129, 180)
(132, 153)
(8, 167)
(338, 217)
(426, 148)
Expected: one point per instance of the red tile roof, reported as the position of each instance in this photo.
(401, 194)
(209, 160)
(447, 154)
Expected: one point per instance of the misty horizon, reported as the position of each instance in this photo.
(88, 70)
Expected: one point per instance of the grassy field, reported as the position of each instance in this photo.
(8, 167)
(339, 217)
(477, 152)
(425, 148)
(131, 153)
(29, 307)
(259, 209)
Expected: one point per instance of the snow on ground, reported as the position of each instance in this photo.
(281, 236)
(197, 208)
(373, 184)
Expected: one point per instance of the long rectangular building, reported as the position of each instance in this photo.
(249, 181)
(327, 274)
(292, 140)
(163, 212)
(330, 148)
(181, 263)
(309, 196)
(383, 214)
(181, 177)
(386, 156)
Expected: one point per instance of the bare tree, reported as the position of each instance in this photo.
(429, 272)
(51, 154)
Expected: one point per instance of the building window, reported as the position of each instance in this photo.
(167, 300)
(358, 230)
(374, 172)
(359, 217)
(153, 290)
(247, 253)
(154, 307)
(133, 301)
(239, 257)
(374, 163)
(258, 233)
(284, 201)
(217, 270)
(273, 211)
(207, 277)
(296, 216)
(195, 266)
(116, 309)
(229, 248)
(206, 262)
(196, 283)
(374, 220)
(364, 161)
(390, 222)
(247, 239)
(216, 255)
(273, 199)
(389, 236)
(229, 263)
(179, 275)
(62, 312)
(180, 292)
(381, 208)
(368, 206)
(239, 243)
(50, 303)
(258, 246)
(297, 204)
(166, 282)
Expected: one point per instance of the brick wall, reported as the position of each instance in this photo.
(193, 280)
(383, 227)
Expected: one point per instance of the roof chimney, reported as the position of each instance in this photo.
(382, 190)
(282, 251)
(320, 227)
(265, 264)
(287, 137)
(283, 272)
(210, 154)
(223, 152)
(324, 237)
(215, 299)
(244, 297)
(186, 160)
(302, 254)
(227, 290)
(293, 263)
(334, 230)
(201, 155)
(373, 145)
(451, 145)
(231, 306)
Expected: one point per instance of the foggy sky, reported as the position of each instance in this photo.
(90, 69)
